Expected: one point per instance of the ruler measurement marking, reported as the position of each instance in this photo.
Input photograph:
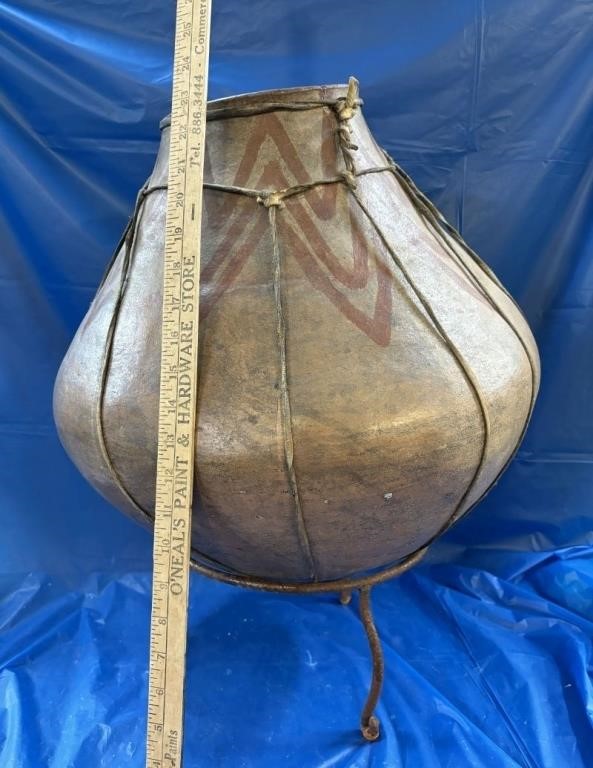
(166, 321)
(178, 389)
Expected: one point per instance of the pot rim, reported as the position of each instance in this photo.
(256, 101)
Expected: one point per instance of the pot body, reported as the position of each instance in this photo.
(363, 378)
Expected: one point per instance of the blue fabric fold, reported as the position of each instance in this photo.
(488, 643)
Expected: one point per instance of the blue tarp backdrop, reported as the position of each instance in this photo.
(488, 104)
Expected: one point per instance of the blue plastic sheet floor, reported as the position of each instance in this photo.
(481, 671)
(489, 107)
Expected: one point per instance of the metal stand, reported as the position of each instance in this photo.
(346, 596)
(369, 723)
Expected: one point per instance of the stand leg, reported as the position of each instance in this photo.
(369, 724)
(346, 596)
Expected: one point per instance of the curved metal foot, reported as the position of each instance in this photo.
(369, 724)
(372, 730)
(346, 596)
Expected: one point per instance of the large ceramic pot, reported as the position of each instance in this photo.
(364, 378)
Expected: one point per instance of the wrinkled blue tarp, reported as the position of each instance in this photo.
(488, 104)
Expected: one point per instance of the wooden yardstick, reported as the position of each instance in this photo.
(178, 387)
